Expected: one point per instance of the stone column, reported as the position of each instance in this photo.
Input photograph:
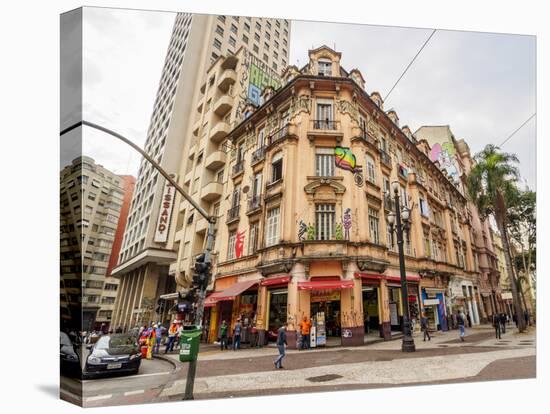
(351, 308)
(297, 301)
(261, 313)
(213, 330)
(385, 314)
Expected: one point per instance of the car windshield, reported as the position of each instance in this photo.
(115, 341)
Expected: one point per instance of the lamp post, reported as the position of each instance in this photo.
(399, 222)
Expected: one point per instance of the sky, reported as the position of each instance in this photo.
(480, 84)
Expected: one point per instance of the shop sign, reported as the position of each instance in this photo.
(430, 302)
(347, 333)
(165, 214)
(324, 295)
(506, 295)
(394, 320)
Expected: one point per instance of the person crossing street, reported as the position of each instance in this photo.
(461, 320)
(281, 343)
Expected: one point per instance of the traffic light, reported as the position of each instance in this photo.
(201, 277)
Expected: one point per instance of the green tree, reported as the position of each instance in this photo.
(522, 227)
(491, 184)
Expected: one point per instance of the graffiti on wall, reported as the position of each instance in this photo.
(346, 221)
(255, 76)
(344, 159)
(239, 244)
(302, 230)
(445, 154)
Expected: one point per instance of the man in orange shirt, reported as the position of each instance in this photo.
(305, 328)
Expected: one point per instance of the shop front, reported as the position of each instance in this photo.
(382, 302)
(326, 310)
(433, 302)
(238, 301)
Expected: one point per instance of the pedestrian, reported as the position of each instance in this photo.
(424, 327)
(223, 335)
(469, 320)
(515, 319)
(172, 331)
(461, 320)
(158, 338)
(237, 335)
(367, 323)
(305, 328)
(503, 322)
(281, 343)
(496, 325)
(150, 341)
(526, 315)
(118, 330)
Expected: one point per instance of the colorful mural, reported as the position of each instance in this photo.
(256, 75)
(344, 159)
(445, 154)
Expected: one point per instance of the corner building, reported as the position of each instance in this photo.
(302, 226)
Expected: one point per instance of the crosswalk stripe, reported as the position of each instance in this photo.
(134, 392)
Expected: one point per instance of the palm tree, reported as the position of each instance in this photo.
(491, 182)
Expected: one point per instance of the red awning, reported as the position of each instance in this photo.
(212, 299)
(410, 278)
(281, 280)
(326, 285)
(231, 292)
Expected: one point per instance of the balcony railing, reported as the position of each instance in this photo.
(385, 158)
(238, 168)
(369, 139)
(278, 135)
(254, 203)
(233, 214)
(325, 124)
(258, 155)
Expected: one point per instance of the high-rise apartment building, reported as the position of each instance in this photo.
(91, 202)
(198, 42)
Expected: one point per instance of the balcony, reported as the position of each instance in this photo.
(223, 105)
(325, 125)
(226, 79)
(216, 160)
(237, 169)
(254, 204)
(367, 138)
(192, 151)
(278, 135)
(196, 127)
(233, 214)
(385, 158)
(212, 191)
(188, 178)
(219, 132)
(258, 155)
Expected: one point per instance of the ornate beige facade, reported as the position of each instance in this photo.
(302, 212)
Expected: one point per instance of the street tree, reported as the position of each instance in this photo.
(491, 183)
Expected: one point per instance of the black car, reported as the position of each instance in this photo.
(68, 355)
(116, 353)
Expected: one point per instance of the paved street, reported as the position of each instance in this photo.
(444, 359)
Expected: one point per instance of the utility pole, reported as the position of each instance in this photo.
(209, 239)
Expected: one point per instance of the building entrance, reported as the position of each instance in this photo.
(331, 311)
(371, 316)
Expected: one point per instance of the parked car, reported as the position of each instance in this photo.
(115, 353)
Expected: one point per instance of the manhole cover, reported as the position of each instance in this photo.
(324, 378)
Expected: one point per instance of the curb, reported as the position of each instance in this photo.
(169, 360)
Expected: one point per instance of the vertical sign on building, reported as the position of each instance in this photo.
(165, 213)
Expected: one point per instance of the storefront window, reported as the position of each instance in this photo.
(277, 310)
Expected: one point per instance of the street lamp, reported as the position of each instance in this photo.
(191, 372)
(400, 223)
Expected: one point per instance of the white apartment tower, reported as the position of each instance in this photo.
(148, 250)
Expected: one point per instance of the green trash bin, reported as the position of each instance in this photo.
(189, 343)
